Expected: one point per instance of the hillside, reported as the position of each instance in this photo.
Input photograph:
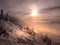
(13, 32)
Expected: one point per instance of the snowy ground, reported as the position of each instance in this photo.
(13, 35)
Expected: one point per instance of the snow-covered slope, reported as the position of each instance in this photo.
(13, 33)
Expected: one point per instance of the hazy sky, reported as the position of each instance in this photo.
(24, 7)
(47, 9)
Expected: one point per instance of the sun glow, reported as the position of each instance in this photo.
(34, 12)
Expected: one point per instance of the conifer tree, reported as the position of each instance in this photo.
(6, 17)
(1, 15)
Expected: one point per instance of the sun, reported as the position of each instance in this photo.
(34, 12)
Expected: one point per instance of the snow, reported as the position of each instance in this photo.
(16, 36)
